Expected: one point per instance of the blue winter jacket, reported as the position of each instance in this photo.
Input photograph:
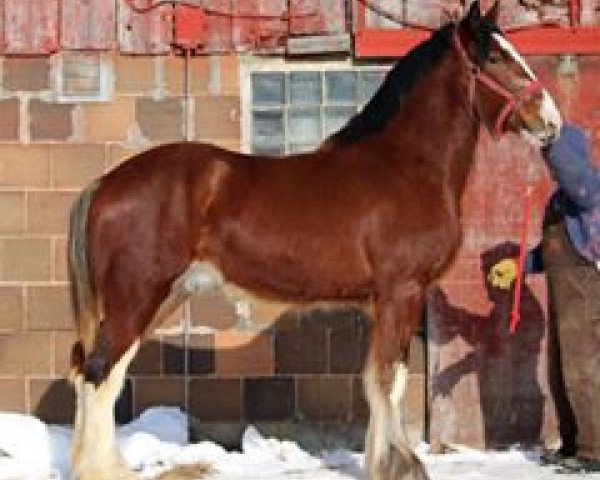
(578, 194)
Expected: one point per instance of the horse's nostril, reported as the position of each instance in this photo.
(552, 130)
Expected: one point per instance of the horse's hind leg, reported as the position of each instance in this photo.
(388, 454)
(95, 455)
(99, 371)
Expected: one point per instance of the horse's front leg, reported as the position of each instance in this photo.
(388, 455)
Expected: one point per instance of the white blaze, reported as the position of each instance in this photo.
(548, 110)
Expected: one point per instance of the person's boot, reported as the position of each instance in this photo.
(579, 465)
(556, 457)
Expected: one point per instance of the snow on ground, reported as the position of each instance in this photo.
(31, 450)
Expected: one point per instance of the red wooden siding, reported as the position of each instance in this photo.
(260, 24)
(563, 26)
(432, 13)
(88, 24)
(315, 17)
(2, 37)
(31, 26)
(219, 24)
(144, 33)
(590, 12)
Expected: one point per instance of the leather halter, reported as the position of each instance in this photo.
(514, 100)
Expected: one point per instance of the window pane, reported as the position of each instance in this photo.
(369, 83)
(268, 88)
(305, 87)
(336, 117)
(268, 151)
(267, 129)
(81, 75)
(304, 124)
(303, 147)
(341, 86)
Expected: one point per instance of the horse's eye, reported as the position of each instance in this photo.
(494, 58)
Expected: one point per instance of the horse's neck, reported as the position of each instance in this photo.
(437, 112)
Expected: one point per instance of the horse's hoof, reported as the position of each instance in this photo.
(401, 464)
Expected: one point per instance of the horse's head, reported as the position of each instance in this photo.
(503, 89)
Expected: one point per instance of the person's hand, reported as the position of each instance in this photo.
(503, 273)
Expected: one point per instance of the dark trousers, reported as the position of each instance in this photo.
(573, 339)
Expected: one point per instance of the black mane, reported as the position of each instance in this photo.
(399, 81)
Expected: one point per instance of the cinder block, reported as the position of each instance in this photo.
(301, 350)
(148, 359)
(11, 308)
(74, 166)
(48, 308)
(201, 354)
(109, 122)
(26, 353)
(9, 113)
(360, 407)
(154, 391)
(199, 71)
(12, 212)
(160, 120)
(52, 400)
(117, 154)
(198, 351)
(218, 118)
(229, 74)
(26, 74)
(64, 341)
(212, 310)
(50, 121)
(325, 398)
(216, 399)
(271, 398)
(25, 259)
(244, 353)
(48, 212)
(60, 260)
(134, 74)
(12, 395)
(24, 166)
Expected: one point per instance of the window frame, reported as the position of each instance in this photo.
(106, 78)
(250, 65)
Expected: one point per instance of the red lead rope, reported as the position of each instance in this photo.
(515, 314)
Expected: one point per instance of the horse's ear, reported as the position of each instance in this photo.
(492, 14)
(473, 19)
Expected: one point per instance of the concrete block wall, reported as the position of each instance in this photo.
(299, 369)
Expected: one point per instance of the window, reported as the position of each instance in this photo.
(83, 77)
(293, 110)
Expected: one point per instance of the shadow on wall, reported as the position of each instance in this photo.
(303, 370)
(300, 378)
(506, 366)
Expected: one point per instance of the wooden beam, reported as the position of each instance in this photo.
(381, 43)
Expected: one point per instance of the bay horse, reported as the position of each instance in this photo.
(371, 218)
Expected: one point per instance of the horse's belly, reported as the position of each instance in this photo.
(204, 276)
(303, 268)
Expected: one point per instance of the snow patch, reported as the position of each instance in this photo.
(157, 440)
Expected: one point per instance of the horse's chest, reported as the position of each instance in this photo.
(423, 248)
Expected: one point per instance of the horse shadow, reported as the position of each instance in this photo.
(505, 364)
(301, 370)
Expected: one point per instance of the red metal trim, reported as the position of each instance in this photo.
(386, 43)
(380, 43)
(549, 41)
